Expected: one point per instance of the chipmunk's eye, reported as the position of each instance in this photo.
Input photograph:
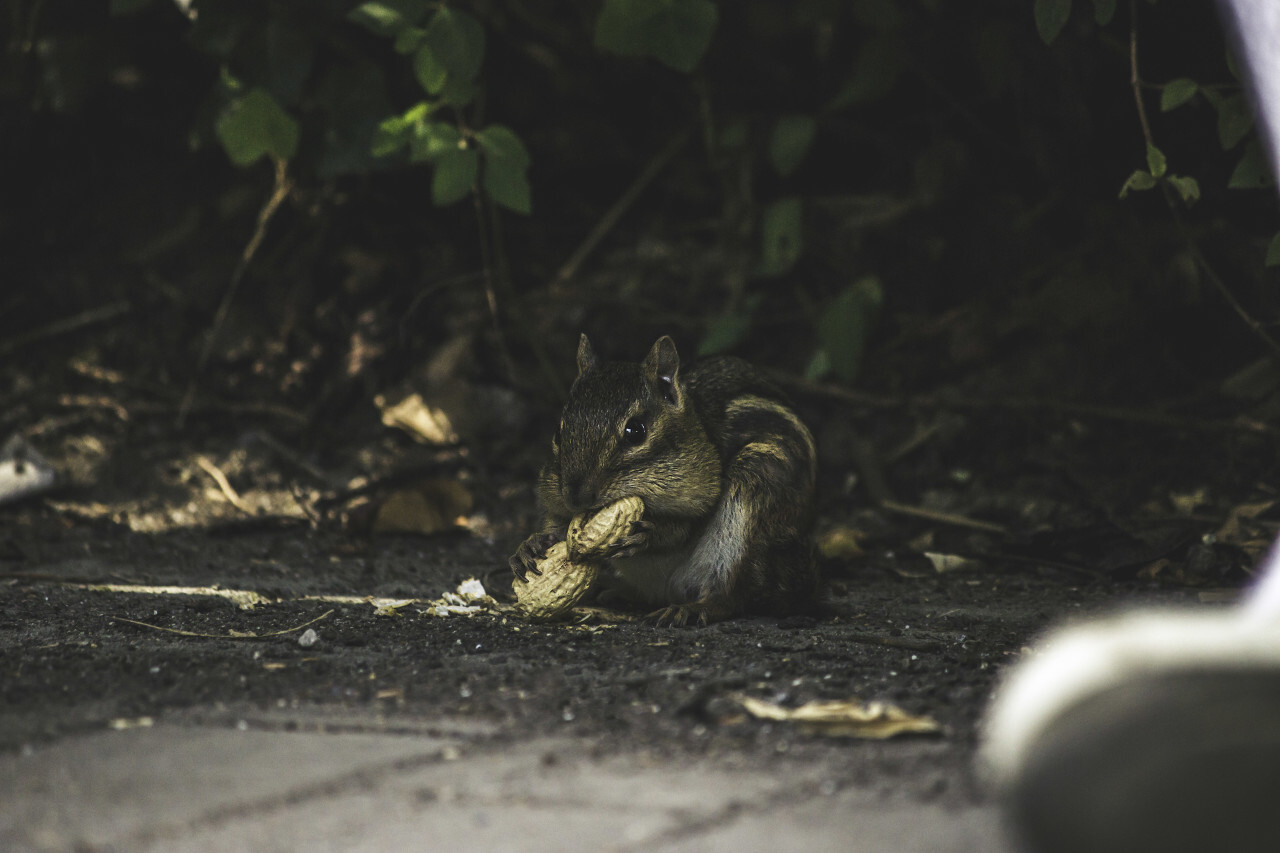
(635, 431)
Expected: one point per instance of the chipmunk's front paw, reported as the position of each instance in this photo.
(531, 550)
(638, 539)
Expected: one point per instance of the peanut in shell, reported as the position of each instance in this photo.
(589, 538)
(564, 580)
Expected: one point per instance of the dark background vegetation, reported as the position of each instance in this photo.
(961, 237)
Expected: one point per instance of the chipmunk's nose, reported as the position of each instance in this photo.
(579, 492)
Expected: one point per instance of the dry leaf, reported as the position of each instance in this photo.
(1232, 530)
(1153, 569)
(1185, 504)
(949, 562)
(391, 608)
(923, 542)
(427, 424)
(841, 543)
(851, 718)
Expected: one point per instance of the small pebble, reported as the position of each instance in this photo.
(308, 638)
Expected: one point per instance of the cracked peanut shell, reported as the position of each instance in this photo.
(563, 581)
(588, 538)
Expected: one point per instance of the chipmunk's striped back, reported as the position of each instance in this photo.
(724, 466)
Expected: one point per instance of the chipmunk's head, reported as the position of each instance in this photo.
(628, 429)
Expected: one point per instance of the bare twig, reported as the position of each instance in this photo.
(248, 635)
(1134, 81)
(280, 191)
(1253, 325)
(944, 518)
(92, 317)
(86, 401)
(223, 484)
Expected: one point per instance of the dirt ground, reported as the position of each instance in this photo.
(141, 508)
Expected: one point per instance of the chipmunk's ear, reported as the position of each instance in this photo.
(586, 355)
(662, 369)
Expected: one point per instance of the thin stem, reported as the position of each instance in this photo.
(1135, 82)
(280, 191)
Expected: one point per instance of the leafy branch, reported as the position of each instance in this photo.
(1186, 187)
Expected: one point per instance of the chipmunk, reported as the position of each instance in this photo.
(726, 471)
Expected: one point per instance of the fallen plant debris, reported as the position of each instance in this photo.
(842, 718)
(233, 635)
(245, 599)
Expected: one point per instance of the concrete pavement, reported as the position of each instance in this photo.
(321, 781)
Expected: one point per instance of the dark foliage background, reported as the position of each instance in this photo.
(960, 226)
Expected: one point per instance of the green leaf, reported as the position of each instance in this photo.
(1252, 172)
(1234, 121)
(508, 185)
(818, 366)
(674, 33)
(391, 135)
(682, 33)
(388, 17)
(790, 141)
(620, 27)
(1188, 188)
(846, 324)
(1156, 162)
(394, 132)
(457, 92)
(455, 176)
(501, 143)
(1176, 93)
(780, 236)
(456, 41)
(432, 140)
(409, 39)
(1273, 251)
(506, 168)
(1051, 17)
(1232, 65)
(429, 70)
(1139, 180)
(1103, 11)
(256, 125)
(127, 7)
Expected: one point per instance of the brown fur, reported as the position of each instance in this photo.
(726, 471)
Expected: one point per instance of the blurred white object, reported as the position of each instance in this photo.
(1255, 27)
(23, 471)
(1155, 730)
